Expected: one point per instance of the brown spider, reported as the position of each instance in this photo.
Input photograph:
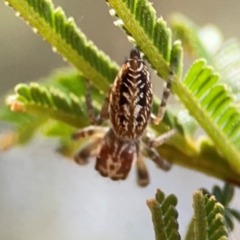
(128, 105)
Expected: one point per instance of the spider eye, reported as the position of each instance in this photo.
(135, 54)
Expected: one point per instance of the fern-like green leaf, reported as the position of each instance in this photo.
(67, 39)
(208, 218)
(216, 102)
(225, 196)
(204, 113)
(50, 103)
(164, 216)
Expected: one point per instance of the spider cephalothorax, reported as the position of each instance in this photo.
(128, 106)
(130, 99)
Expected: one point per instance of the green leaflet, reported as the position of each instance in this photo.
(164, 216)
(225, 196)
(209, 220)
(215, 99)
(50, 103)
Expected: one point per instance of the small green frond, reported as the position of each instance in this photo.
(215, 122)
(225, 196)
(48, 103)
(209, 221)
(164, 216)
(217, 108)
(67, 39)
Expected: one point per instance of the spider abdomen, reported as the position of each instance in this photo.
(131, 96)
(115, 157)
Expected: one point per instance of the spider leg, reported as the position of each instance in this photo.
(90, 110)
(142, 172)
(89, 149)
(156, 158)
(104, 111)
(88, 132)
(153, 142)
(97, 133)
(166, 92)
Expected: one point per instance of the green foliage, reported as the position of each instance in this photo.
(216, 102)
(50, 103)
(199, 91)
(208, 221)
(56, 105)
(208, 218)
(225, 196)
(164, 216)
(56, 98)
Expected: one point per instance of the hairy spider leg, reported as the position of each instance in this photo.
(154, 142)
(90, 148)
(166, 93)
(153, 155)
(88, 132)
(142, 172)
(90, 110)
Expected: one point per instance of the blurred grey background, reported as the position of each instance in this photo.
(43, 196)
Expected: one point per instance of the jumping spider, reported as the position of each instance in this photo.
(128, 105)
